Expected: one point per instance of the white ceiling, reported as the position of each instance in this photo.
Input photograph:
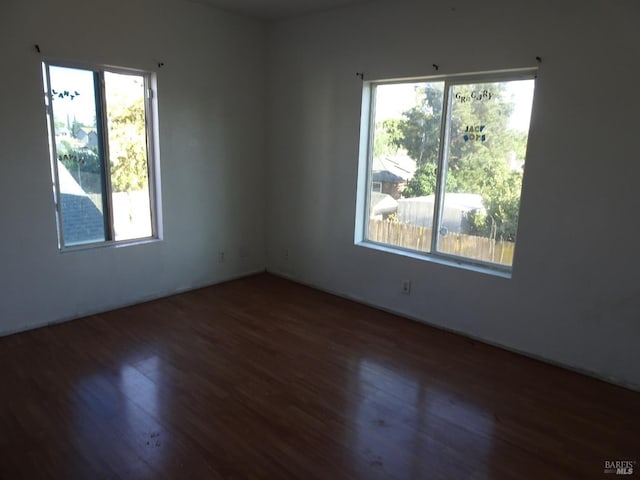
(278, 9)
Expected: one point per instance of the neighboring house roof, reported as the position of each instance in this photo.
(393, 168)
(381, 203)
(82, 222)
(84, 130)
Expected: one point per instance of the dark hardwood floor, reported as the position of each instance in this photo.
(263, 378)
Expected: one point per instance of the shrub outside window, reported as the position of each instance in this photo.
(444, 165)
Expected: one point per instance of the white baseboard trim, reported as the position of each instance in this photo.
(573, 368)
(144, 299)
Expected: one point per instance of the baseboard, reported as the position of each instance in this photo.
(144, 299)
(573, 368)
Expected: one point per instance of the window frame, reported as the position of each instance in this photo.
(367, 130)
(151, 139)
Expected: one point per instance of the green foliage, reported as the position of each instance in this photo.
(424, 182)
(127, 143)
(478, 163)
(386, 138)
(83, 164)
(83, 159)
(392, 217)
(75, 127)
(492, 115)
(419, 131)
(500, 189)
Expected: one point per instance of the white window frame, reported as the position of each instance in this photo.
(152, 144)
(364, 189)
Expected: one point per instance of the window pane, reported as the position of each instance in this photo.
(488, 131)
(78, 150)
(405, 146)
(125, 99)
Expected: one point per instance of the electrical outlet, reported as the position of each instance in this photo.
(221, 257)
(406, 287)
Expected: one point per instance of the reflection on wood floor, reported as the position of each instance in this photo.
(263, 378)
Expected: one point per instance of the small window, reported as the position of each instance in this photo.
(101, 157)
(455, 148)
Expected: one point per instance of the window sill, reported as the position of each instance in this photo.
(439, 259)
(113, 244)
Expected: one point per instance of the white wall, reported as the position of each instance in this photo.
(575, 294)
(211, 111)
(574, 298)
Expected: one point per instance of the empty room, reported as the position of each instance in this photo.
(319, 239)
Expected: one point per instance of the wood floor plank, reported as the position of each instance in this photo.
(261, 378)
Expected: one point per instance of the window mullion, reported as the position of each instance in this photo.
(441, 171)
(103, 135)
(370, 153)
(148, 127)
(54, 157)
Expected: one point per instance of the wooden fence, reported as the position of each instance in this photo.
(419, 238)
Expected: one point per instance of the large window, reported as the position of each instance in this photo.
(100, 126)
(445, 160)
